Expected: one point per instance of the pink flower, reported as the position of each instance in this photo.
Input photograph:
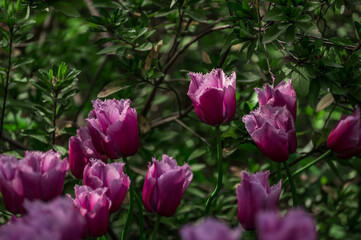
(98, 175)
(282, 95)
(296, 225)
(213, 96)
(254, 194)
(56, 220)
(164, 185)
(345, 138)
(273, 130)
(113, 128)
(81, 149)
(37, 176)
(94, 206)
(210, 229)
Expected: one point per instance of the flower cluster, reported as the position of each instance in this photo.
(112, 133)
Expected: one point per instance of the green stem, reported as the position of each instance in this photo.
(131, 200)
(298, 171)
(155, 229)
(292, 183)
(140, 210)
(7, 82)
(220, 171)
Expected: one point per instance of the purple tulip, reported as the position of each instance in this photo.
(345, 138)
(56, 220)
(113, 128)
(37, 176)
(213, 96)
(42, 174)
(164, 185)
(282, 95)
(210, 229)
(273, 130)
(98, 174)
(94, 205)
(254, 194)
(296, 225)
(81, 149)
(10, 184)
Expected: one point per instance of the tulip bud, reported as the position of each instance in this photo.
(81, 149)
(254, 194)
(57, 219)
(213, 96)
(94, 206)
(164, 185)
(345, 138)
(98, 175)
(282, 95)
(296, 225)
(113, 128)
(273, 130)
(37, 176)
(10, 184)
(210, 229)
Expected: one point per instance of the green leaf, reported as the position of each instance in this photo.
(300, 81)
(358, 30)
(309, 28)
(172, 3)
(276, 14)
(110, 49)
(197, 153)
(116, 86)
(290, 34)
(274, 32)
(313, 93)
(67, 9)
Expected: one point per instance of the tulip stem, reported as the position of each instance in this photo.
(140, 211)
(292, 183)
(155, 229)
(131, 200)
(220, 171)
(298, 171)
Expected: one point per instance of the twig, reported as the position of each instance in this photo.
(193, 40)
(191, 131)
(284, 48)
(224, 57)
(15, 143)
(160, 121)
(268, 64)
(175, 42)
(90, 89)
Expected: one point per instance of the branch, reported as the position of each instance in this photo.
(193, 132)
(90, 89)
(193, 40)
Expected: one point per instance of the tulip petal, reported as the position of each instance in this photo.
(211, 103)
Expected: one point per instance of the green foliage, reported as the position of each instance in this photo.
(143, 50)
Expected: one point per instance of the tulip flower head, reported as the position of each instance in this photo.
(296, 225)
(37, 176)
(273, 131)
(94, 206)
(282, 95)
(254, 195)
(81, 149)
(164, 185)
(210, 229)
(213, 96)
(345, 138)
(113, 128)
(98, 175)
(57, 219)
